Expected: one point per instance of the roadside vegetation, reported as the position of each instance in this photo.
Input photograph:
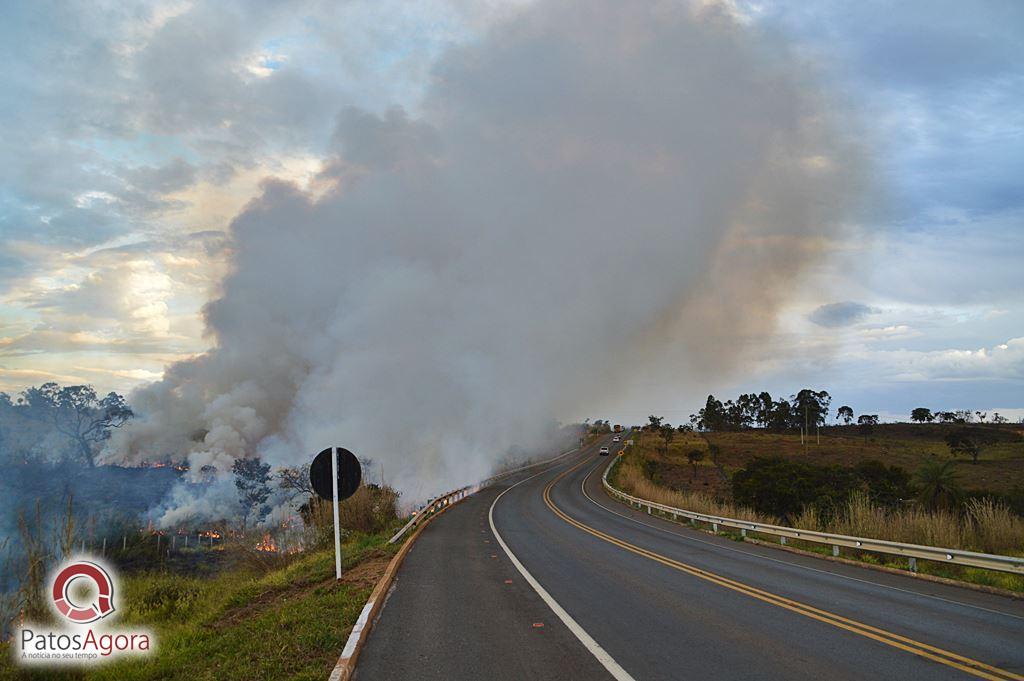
(956, 484)
(256, 614)
(244, 623)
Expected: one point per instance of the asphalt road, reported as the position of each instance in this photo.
(631, 596)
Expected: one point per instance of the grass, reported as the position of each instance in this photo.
(999, 469)
(985, 526)
(630, 478)
(290, 622)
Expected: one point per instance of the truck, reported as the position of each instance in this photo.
(617, 428)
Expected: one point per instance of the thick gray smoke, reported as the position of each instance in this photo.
(590, 189)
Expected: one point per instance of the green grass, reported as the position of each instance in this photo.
(288, 623)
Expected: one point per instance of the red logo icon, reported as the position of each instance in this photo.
(83, 614)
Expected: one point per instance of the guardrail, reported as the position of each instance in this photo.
(912, 552)
(435, 505)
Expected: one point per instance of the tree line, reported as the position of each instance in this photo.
(807, 408)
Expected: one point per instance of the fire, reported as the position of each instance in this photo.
(267, 544)
(210, 533)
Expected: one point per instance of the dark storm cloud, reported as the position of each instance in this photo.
(841, 314)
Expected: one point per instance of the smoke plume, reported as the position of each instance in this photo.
(590, 189)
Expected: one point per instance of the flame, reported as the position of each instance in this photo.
(267, 544)
(210, 533)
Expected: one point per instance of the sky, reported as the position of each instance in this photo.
(135, 133)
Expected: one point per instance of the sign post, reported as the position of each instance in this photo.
(335, 475)
(337, 525)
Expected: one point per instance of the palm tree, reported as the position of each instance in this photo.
(939, 484)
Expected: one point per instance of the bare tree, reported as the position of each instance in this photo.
(295, 481)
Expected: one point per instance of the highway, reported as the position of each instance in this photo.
(545, 577)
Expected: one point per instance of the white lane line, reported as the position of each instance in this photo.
(606, 660)
(583, 487)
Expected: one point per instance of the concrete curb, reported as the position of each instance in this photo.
(346, 665)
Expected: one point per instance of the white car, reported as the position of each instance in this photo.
(616, 439)
(604, 451)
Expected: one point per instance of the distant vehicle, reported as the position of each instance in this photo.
(616, 438)
(617, 428)
(604, 451)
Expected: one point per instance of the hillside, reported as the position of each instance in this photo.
(1000, 467)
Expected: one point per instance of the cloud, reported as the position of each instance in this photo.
(841, 314)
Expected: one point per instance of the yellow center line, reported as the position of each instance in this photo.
(948, 658)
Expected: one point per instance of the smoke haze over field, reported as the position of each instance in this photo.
(589, 189)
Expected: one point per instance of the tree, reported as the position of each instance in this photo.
(712, 417)
(981, 415)
(764, 409)
(655, 421)
(886, 485)
(845, 413)
(694, 456)
(252, 480)
(295, 481)
(782, 415)
(938, 484)
(667, 434)
(784, 488)
(968, 442)
(999, 418)
(78, 413)
(867, 423)
(811, 406)
(922, 415)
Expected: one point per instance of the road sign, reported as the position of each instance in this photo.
(335, 475)
(349, 473)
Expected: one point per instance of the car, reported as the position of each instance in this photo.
(604, 451)
(616, 439)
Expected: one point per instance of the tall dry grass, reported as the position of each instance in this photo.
(371, 509)
(631, 479)
(984, 525)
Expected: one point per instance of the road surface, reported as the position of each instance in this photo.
(546, 577)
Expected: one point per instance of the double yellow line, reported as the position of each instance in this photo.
(950, 659)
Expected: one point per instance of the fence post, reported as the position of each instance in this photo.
(913, 564)
(104, 546)
(124, 542)
(835, 549)
(782, 540)
(743, 532)
(714, 527)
